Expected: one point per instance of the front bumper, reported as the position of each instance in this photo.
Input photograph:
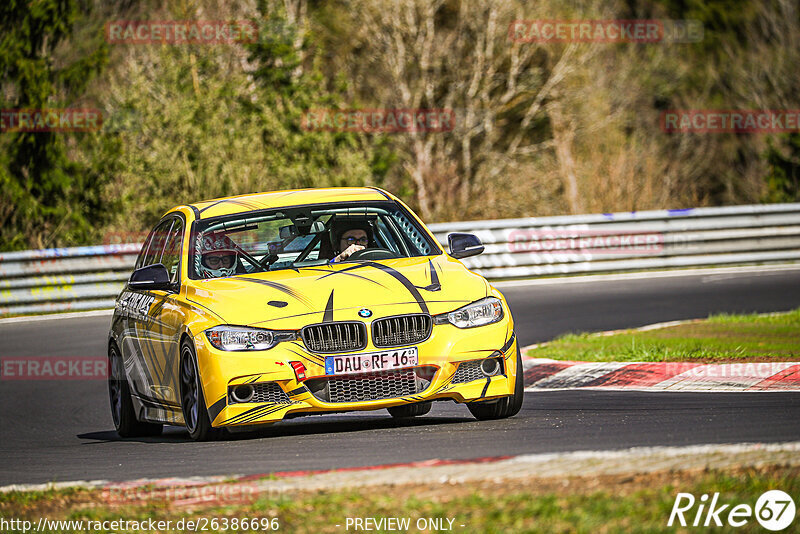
(442, 352)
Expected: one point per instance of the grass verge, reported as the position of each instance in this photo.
(610, 503)
(720, 338)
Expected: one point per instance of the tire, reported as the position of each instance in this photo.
(410, 410)
(193, 403)
(505, 407)
(119, 393)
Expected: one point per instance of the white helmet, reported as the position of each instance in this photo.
(216, 256)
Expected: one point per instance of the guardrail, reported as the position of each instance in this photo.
(82, 278)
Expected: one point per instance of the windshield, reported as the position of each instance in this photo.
(294, 237)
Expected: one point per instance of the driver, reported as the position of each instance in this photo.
(351, 238)
(218, 256)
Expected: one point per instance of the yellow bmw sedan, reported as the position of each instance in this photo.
(247, 310)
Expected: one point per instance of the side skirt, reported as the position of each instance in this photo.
(153, 411)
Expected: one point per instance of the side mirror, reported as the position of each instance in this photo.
(152, 277)
(464, 245)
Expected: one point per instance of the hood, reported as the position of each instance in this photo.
(292, 298)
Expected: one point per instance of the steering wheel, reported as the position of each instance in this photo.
(372, 254)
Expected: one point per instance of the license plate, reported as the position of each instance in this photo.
(371, 361)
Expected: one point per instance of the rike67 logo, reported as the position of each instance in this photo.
(774, 510)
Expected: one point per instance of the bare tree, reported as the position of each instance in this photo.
(459, 56)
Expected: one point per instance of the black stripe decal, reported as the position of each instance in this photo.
(216, 408)
(155, 403)
(434, 285)
(245, 414)
(154, 311)
(204, 307)
(262, 411)
(486, 387)
(327, 317)
(160, 373)
(242, 203)
(403, 280)
(508, 343)
(434, 277)
(162, 355)
(256, 413)
(343, 271)
(248, 205)
(298, 391)
(211, 205)
(194, 210)
(142, 357)
(443, 385)
(381, 192)
(171, 357)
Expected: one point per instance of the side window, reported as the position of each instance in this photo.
(384, 237)
(414, 235)
(143, 252)
(157, 243)
(172, 252)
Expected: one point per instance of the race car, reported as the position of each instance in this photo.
(247, 310)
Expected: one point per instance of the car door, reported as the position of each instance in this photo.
(167, 317)
(150, 346)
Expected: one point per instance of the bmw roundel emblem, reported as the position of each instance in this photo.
(363, 312)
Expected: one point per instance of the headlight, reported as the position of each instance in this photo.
(242, 338)
(485, 311)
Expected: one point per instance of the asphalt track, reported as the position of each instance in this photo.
(62, 430)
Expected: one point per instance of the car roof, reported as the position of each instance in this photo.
(278, 199)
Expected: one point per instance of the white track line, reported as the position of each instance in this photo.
(557, 464)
